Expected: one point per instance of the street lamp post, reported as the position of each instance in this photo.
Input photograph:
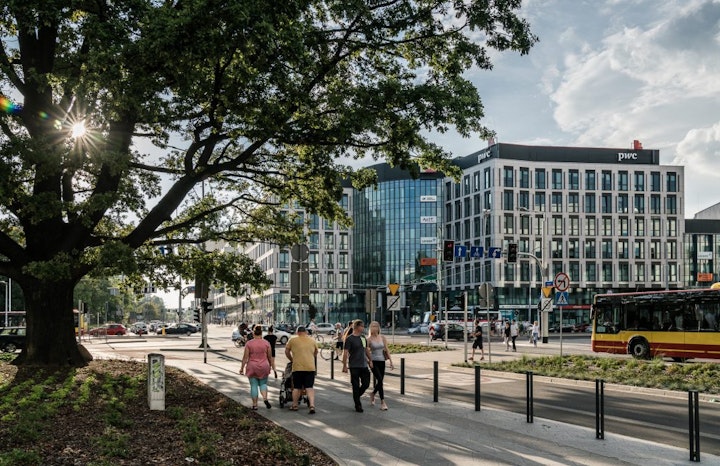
(541, 266)
(6, 302)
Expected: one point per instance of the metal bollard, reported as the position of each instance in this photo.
(402, 376)
(435, 381)
(694, 425)
(529, 390)
(599, 409)
(477, 388)
(332, 365)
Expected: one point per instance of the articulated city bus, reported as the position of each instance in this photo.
(679, 324)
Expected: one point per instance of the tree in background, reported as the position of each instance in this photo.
(135, 124)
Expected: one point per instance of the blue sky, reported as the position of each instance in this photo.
(606, 72)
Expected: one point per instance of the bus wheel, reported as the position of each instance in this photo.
(640, 349)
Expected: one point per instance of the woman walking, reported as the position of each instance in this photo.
(256, 363)
(380, 354)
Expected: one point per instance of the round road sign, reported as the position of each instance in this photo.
(562, 281)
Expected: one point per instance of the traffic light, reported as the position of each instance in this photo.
(512, 253)
(449, 251)
(196, 315)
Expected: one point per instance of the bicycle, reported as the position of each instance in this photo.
(327, 352)
(319, 338)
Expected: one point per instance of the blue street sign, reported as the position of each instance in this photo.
(562, 298)
(460, 251)
(495, 253)
(477, 252)
(550, 283)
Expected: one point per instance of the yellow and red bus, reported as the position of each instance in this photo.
(679, 324)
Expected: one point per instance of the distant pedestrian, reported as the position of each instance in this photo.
(272, 339)
(514, 332)
(380, 354)
(506, 335)
(478, 342)
(357, 357)
(535, 333)
(301, 351)
(256, 364)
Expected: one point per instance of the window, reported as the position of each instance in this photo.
(672, 272)
(558, 228)
(467, 212)
(672, 250)
(557, 179)
(525, 225)
(574, 249)
(467, 232)
(487, 178)
(639, 249)
(344, 241)
(639, 181)
(590, 250)
(540, 202)
(508, 203)
(655, 204)
(458, 210)
(607, 226)
(525, 178)
(606, 203)
(623, 203)
(477, 225)
(606, 249)
(330, 280)
(624, 272)
(573, 202)
(343, 262)
(590, 180)
(313, 240)
(476, 181)
(622, 181)
(639, 272)
(671, 204)
(624, 226)
(557, 248)
(477, 205)
(590, 271)
(313, 260)
(639, 204)
(329, 260)
(655, 250)
(575, 226)
(487, 200)
(557, 203)
(655, 227)
(590, 228)
(655, 181)
(508, 180)
(589, 203)
(607, 275)
(508, 222)
(656, 273)
(329, 240)
(540, 178)
(284, 278)
(606, 180)
(639, 227)
(574, 179)
(524, 199)
(284, 260)
(466, 185)
(671, 182)
(623, 249)
(672, 227)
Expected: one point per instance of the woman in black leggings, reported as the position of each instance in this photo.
(380, 354)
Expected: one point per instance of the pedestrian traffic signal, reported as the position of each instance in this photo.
(196, 315)
(449, 251)
(512, 253)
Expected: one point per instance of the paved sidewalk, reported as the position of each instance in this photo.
(417, 431)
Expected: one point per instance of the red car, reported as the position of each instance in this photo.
(109, 329)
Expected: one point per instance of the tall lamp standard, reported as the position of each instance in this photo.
(541, 267)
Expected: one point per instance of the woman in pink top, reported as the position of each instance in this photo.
(256, 364)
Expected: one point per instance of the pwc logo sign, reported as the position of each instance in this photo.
(627, 156)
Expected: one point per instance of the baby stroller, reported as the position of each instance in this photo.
(286, 388)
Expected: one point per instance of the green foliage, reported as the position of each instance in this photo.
(18, 457)
(200, 443)
(276, 444)
(656, 373)
(415, 348)
(113, 443)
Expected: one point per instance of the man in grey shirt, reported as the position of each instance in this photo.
(357, 355)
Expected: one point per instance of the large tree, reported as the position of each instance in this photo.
(204, 118)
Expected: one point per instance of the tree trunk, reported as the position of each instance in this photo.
(50, 322)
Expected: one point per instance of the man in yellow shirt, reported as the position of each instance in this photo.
(301, 351)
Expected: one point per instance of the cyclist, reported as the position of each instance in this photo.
(313, 327)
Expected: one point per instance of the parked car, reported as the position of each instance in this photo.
(180, 329)
(414, 329)
(566, 328)
(454, 332)
(324, 328)
(282, 336)
(11, 339)
(109, 330)
(581, 327)
(139, 328)
(289, 328)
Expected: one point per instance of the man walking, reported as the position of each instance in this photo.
(514, 333)
(301, 351)
(357, 356)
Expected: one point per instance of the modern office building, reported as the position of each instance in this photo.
(611, 219)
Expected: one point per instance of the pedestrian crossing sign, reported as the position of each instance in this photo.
(561, 298)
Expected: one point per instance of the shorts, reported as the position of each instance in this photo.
(339, 345)
(477, 344)
(303, 379)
